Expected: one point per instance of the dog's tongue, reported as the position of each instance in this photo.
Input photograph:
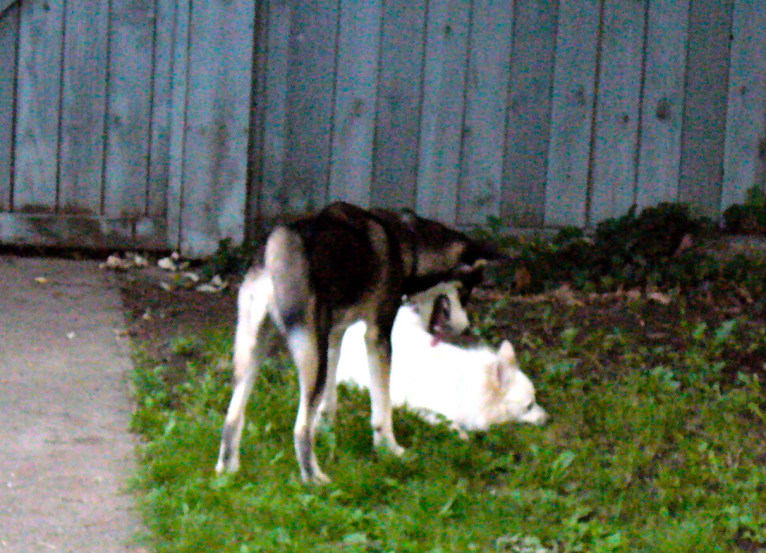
(437, 336)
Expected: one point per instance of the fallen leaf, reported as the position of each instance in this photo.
(659, 297)
(521, 278)
(565, 294)
(117, 263)
(687, 242)
(744, 293)
(139, 260)
(215, 285)
(634, 294)
(194, 277)
(167, 264)
(218, 281)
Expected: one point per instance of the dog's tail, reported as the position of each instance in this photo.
(285, 256)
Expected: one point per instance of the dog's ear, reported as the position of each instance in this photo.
(505, 369)
(506, 352)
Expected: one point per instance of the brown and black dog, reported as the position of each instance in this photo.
(319, 275)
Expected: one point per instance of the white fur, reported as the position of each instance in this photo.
(423, 304)
(472, 387)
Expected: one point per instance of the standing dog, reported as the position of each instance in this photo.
(319, 275)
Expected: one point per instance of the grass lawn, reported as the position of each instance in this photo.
(657, 443)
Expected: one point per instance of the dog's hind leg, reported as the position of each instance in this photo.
(329, 405)
(309, 351)
(255, 296)
(378, 344)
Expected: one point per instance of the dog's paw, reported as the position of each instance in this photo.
(396, 449)
(315, 476)
(229, 467)
(320, 478)
(389, 445)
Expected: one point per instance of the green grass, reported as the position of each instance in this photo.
(653, 451)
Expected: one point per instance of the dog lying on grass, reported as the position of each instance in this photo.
(473, 387)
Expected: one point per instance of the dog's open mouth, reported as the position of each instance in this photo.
(440, 333)
(447, 334)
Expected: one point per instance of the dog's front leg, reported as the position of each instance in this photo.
(379, 360)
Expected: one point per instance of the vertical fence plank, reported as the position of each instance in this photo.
(38, 93)
(159, 160)
(177, 119)
(83, 105)
(571, 113)
(258, 109)
(9, 34)
(745, 150)
(486, 96)
(275, 193)
(355, 84)
(702, 141)
(128, 109)
(529, 111)
(662, 103)
(617, 110)
(311, 70)
(442, 112)
(217, 120)
(396, 138)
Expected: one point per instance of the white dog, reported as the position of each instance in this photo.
(474, 387)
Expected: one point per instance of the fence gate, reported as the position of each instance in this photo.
(100, 146)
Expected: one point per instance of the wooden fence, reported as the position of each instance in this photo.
(173, 123)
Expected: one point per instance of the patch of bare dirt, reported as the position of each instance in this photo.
(650, 318)
(155, 316)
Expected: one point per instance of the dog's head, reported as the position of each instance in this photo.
(511, 395)
(441, 254)
(441, 311)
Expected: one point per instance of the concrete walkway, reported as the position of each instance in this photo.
(66, 451)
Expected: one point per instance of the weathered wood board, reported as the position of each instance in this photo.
(83, 105)
(274, 192)
(395, 164)
(529, 112)
(702, 139)
(485, 114)
(82, 231)
(662, 103)
(215, 172)
(9, 34)
(38, 99)
(126, 164)
(745, 150)
(162, 79)
(309, 102)
(356, 82)
(572, 98)
(177, 120)
(615, 143)
(441, 119)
